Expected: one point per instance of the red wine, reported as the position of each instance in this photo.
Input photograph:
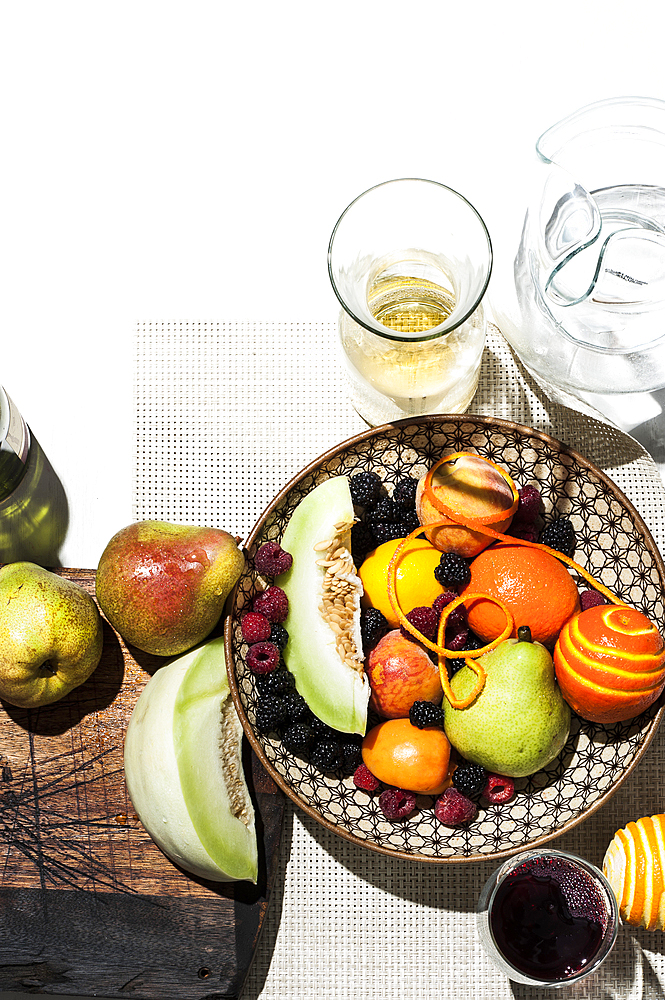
(548, 918)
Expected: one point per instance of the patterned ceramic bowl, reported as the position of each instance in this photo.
(612, 542)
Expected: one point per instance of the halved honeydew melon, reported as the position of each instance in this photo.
(324, 654)
(183, 768)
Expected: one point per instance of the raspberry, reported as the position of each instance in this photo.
(528, 532)
(364, 779)
(373, 625)
(457, 618)
(395, 803)
(255, 627)
(453, 570)
(297, 738)
(326, 755)
(559, 535)
(457, 640)
(452, 808)
(528, 507)
(278, 635)
(470, 779)
(273, 603)
(263, 657)
(271, 559)
(404, 493)
(270, 714)
(276, 682)
(425, 713)
(591, 599)
(498, 789)
(426, 620)
(365, 488)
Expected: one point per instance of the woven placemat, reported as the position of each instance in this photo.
(226, 414)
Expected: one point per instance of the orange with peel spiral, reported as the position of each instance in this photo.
(610, 663)
(634, 865)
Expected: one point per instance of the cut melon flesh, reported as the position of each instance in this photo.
(335, 691)
(183, 768)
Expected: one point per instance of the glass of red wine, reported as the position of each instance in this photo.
(547, 918)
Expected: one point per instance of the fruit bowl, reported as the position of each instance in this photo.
(613, 543)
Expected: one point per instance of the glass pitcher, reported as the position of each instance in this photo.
(584, 306)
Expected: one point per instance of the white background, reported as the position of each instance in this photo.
(188, 160)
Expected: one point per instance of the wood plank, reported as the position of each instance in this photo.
(88, 903)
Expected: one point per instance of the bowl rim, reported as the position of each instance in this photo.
(490, 422)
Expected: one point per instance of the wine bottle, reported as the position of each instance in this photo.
(15, 445)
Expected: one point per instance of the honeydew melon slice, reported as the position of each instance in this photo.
(329, 676)
(183, 768)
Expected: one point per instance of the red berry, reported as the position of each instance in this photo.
(255, 627)
(364, 779)
(263, 657)
(527, 532)
(499, 789)
(452, 808)
(591, 599)
(426, 620)
(457, 640)
(528, 506)
(273, 603)
(395, 803)
(271, 559)
(457, 618)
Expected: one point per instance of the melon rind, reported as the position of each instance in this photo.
(179, 775)
(334, 691)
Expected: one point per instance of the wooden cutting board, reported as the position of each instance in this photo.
(88, 904)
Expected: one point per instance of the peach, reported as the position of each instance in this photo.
(473, 488)
(400, 672)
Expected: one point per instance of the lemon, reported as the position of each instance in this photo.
(416, 585)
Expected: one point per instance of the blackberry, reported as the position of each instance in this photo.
(387, 532)
(385, 511)
(322, 730)
(559, 535)
(297, 738)
(271, 559)
(470, 779)
(326, 755)
(362, 542)
(271, 713)
(278, 682)
(296, 706)
(454, 666)
(404, 493)
(425, 713)
(410, 522)
(278, 635)
(365, 488)
(373, 625)
(351, 756)
(453, 570)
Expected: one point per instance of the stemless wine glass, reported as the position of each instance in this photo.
(409, 261)
(547, 918)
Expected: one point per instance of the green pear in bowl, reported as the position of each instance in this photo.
(519, 722)
(163, 586)
(51, 635)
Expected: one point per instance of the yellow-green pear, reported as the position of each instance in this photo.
(163, 586)
(519, 722)
(51, 635)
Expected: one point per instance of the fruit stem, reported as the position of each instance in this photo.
(524, 634)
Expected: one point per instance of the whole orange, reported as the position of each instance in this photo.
(416, 585)
(399, 754)
(610, 663)
(535, 586)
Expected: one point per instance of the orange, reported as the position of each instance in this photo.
(416, 583)
(634, 865)
(404, 756)
(534, 585)
(610, 663)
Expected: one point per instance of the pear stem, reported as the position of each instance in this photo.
(524, 634)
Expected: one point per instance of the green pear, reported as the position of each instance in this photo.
(519, 722)
(51, 635)
(163, 586)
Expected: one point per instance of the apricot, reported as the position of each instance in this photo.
(400, 672)
(472, 488)
(401, 755)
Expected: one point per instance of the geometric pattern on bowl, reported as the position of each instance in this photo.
(613, 543)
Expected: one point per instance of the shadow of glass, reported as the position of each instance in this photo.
(34, 519)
